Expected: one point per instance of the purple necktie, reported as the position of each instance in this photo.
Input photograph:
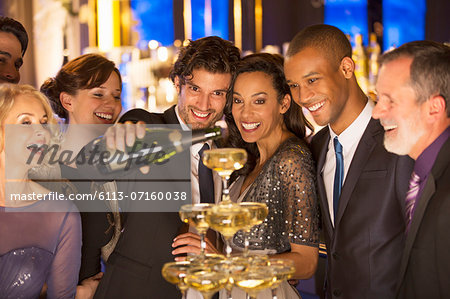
(411, 197)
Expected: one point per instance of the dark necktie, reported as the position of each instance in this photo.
(338, 175)
(411, 197)
(206, 182)
(205, 179)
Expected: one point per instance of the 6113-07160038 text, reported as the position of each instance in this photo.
(143, 195)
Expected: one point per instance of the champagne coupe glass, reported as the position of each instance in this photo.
(227, 219)
(195, 215)
(175, 273)
(258, 212)
(232, 266)
(206, 280)
(283, 270)
(254, 279)
(224, 161)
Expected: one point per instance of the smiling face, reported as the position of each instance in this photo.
(99, 105)
(256, 110)
(318, 85)
(10, 58)
(202, 99)
(28, 116)
(398, 110)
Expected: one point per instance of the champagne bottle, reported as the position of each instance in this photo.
(157, 146)
(359, 57)
(374, 52)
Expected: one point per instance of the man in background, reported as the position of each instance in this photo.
(13, 44)
(413, 107)
(360, 185)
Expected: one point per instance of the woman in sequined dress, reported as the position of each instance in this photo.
(40, 240)
(280, 170)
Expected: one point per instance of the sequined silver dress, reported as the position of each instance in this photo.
(286, 184)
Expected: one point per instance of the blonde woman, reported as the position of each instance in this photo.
(40, 248)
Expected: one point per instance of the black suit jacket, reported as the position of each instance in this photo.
(167, 117)
(425, 264)
(365, 244)
(134, 268)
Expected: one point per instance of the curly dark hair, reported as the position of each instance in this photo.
(212, 53)
(294, 119)
(84, 72)
(14, 27)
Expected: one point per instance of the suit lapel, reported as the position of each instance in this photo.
(427, 193)
(362, 154)
(323, 143)
(170, 117)
(441, 162)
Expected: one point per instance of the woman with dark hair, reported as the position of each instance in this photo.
(86, 94)
(86, 91)
(280, 171)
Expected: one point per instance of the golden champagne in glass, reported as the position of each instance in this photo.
(283, 270)
(224, 161)
(254, 280)
(175, 273)
(195, 215)
(227, 219)
(258, 213)
(206, 280)
(232, 266)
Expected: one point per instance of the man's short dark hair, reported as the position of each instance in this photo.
(329, 40)
(430, 68)
(14, 27)
(212, 53)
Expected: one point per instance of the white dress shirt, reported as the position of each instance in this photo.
(349, 139)
(195, 187)
(195, 158)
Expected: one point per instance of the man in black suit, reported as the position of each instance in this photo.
(361, 186)
(414, 109)
(13, 44)
(202, 75)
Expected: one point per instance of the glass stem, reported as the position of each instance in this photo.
(246, 242)
(183, 294)
(225, 190)
(207, 296)
(202, 245)
(274, 295)
(228, 247)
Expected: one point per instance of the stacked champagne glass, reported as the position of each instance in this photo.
(208, 273)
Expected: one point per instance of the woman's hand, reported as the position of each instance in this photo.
(88, 286)
(190, 243)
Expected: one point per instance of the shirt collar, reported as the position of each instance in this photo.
(195, 148)
(426, 159)
(352, 134)
(184, 127)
